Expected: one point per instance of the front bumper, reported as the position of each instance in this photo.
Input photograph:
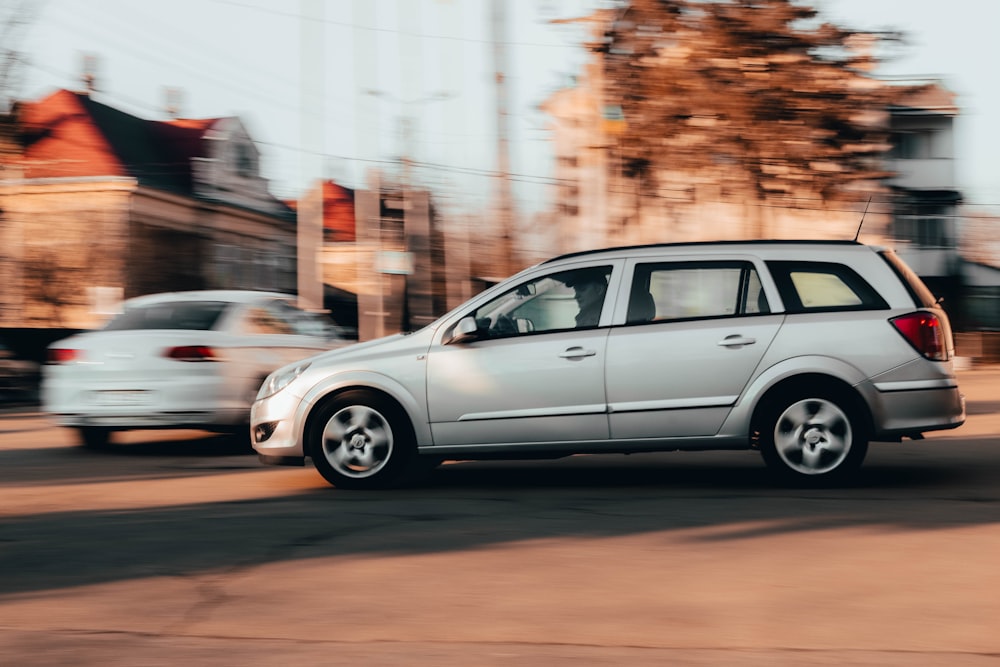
(275, 429)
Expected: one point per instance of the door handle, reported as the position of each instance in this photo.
(736, 340)
(577, 353)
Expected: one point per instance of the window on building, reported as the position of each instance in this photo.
(926, 231)
(983, 307)
(569, 208)
(267, 270)
(246, 165)
(226, 259)
(917, 144)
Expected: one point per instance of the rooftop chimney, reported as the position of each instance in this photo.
(89, 73)
(173, 102)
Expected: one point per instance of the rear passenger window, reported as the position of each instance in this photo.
(689, 290)
(823, 286)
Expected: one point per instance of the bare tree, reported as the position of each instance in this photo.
(760, 88)
(58, 260)
(15, 18)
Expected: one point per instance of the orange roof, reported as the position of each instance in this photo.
(68, 134)
(62, 140)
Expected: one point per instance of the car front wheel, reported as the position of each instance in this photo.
(361, 440)
(813, 438)
(93, 437)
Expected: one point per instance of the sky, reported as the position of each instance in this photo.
(337, 88)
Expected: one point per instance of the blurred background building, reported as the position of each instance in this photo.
(98, 205)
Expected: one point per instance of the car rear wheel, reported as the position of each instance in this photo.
(813, 438)
(94, 437)
(361, 440)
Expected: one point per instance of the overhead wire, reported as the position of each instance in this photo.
(128, 47)
(200, 73)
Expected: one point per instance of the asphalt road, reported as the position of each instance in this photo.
(181, 548)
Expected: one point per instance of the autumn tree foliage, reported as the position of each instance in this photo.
(759, 88)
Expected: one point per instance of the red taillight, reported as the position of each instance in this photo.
(62, 355)
(191, 353)
(924, 333)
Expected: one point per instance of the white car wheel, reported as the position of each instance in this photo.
(94, 437)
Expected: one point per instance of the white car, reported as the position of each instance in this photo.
(188, 360)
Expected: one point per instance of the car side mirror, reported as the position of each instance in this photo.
(465, 331)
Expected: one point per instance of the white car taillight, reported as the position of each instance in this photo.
(62, 355)
(923, 331)
(191, 353)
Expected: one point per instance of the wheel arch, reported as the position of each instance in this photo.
(412, 407)
(743, 416)
(801, 385)
(312, 417)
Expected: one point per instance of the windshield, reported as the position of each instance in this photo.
(192, 315)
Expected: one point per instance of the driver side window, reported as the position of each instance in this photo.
(543, 304)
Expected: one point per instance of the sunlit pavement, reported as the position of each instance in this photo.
(869, 578)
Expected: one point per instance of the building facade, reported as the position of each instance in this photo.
(926, 198)
(100, 205)
(376, 255)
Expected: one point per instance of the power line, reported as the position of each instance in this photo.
(410, 33)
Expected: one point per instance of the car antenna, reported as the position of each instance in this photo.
(858, 233)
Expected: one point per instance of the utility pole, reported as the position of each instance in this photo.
(309, 217)
(507, 263)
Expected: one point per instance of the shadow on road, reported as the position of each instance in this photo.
(475, 504)
(154, 455)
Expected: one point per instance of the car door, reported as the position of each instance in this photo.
(676, 369)
(530, 375)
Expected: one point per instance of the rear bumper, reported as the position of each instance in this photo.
(180, 419)
(197, 402)
(911, 412)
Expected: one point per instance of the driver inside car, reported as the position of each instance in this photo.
(589, 286)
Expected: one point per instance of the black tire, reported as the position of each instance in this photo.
(813, 437)
(362, 440)
(94, 437)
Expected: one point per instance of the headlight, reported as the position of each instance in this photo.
(280, 379)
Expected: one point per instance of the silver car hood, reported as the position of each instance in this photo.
(381, 348)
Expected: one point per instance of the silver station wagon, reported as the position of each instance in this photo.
(803, 350)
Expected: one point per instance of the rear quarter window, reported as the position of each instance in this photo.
(807, 287)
